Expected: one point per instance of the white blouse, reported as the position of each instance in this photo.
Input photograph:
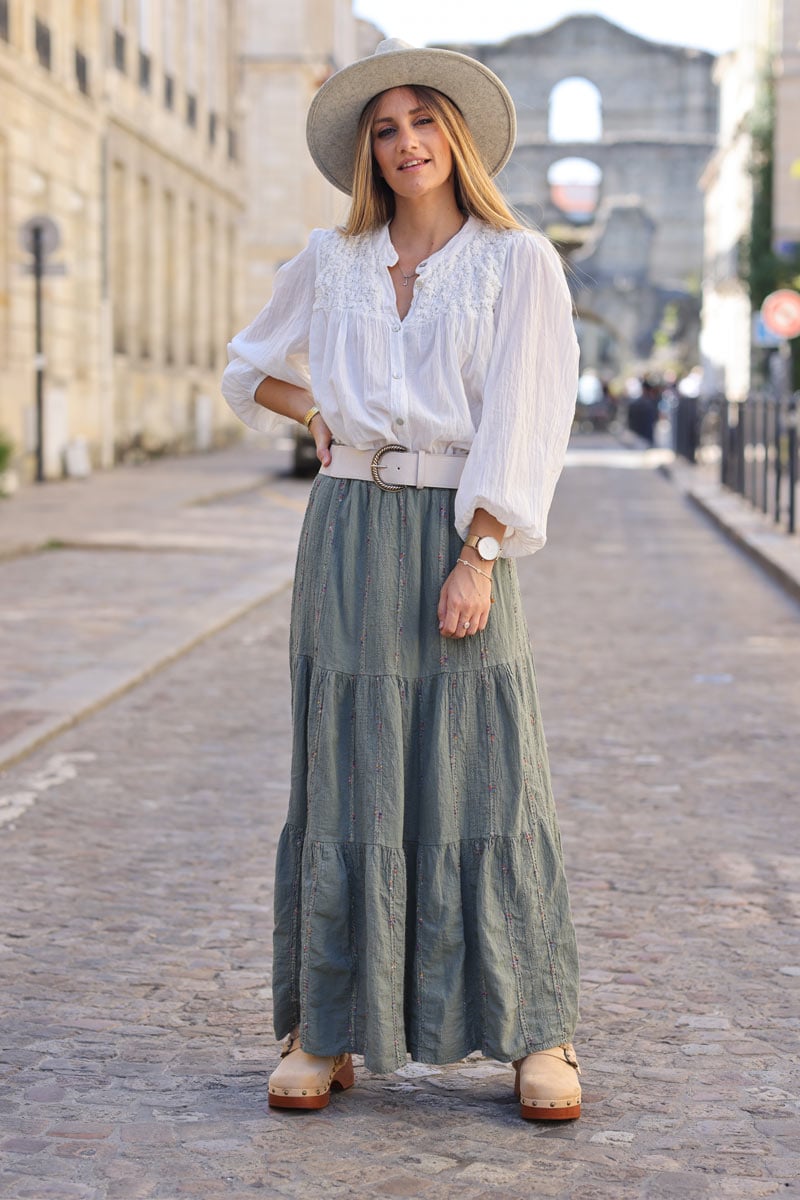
(485, 362)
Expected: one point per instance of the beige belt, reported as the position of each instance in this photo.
(393, 467)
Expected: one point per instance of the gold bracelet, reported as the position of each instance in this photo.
(309, 417)
(472, 567)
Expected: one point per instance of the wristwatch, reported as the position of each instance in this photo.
(488, 547)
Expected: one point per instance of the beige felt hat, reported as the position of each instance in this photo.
(483, 100)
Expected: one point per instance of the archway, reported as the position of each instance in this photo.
(575, 188)
(575, 111)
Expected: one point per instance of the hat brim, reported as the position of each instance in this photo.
(483, 100)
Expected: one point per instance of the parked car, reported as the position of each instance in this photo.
(594, 408)
(305, 452)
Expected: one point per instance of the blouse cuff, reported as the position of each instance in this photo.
(519, 539)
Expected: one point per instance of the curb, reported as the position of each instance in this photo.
(70, 700)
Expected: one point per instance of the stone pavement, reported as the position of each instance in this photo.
(107, 579)
(112, 578)
(136, 894)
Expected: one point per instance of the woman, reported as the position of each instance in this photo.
(428, 346)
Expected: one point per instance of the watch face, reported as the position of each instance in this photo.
(488, 548)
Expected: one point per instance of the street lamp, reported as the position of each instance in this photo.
(40, 237)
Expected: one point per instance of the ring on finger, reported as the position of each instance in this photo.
(465, 624)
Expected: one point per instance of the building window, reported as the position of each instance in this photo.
(119, 50)
(82, 71)
(119, 260)
(145, 260)
(44, 48)
(212, 128)
(144, 71)
(169, 92)
(212, 282)
(170, 277)
(5, 32)
(191, 279)
(169, 22)
(230, 316)
(191, 111)
(232, 145)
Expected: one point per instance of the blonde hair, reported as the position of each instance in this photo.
(475, 193)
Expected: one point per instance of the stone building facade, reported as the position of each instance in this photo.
(164, 138)
(173, 191)
(283, 64)
(120, 122)
(727, 184)
(51, 162)
(767, 40)
(786, 214)
(636, 246)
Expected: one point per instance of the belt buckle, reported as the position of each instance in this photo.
(375, 467)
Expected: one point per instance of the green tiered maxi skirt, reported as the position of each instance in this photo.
(421, 905)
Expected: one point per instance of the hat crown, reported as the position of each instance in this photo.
(390, 44)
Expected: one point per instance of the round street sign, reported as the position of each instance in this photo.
(49, 231)
(780, 313)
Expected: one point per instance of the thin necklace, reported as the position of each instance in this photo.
(412, 274)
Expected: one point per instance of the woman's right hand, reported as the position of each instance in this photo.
(291, 401)
(322, 437)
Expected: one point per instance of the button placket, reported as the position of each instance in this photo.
(397, 387)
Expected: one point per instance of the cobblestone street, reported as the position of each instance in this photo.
(135, 896)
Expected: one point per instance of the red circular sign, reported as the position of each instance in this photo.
(780, 313)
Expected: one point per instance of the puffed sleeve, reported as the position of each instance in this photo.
(528, 399)
(276, 342)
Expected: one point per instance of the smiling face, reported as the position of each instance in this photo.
(411, 152)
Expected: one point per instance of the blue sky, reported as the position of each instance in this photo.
(706, 24)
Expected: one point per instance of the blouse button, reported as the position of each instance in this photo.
(400, 421)
(396, 375)
(395, 328)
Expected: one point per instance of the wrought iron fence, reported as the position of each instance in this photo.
(758, 443)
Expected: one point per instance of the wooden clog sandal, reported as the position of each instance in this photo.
(547, 1085)
(304, 1080)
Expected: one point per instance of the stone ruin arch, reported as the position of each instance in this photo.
(642, 250)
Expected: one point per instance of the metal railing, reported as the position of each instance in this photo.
(758, 442)
(695, 427)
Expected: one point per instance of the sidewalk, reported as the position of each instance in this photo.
(105, 580)
(776, 551)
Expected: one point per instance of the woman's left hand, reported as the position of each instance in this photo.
(464, 603)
